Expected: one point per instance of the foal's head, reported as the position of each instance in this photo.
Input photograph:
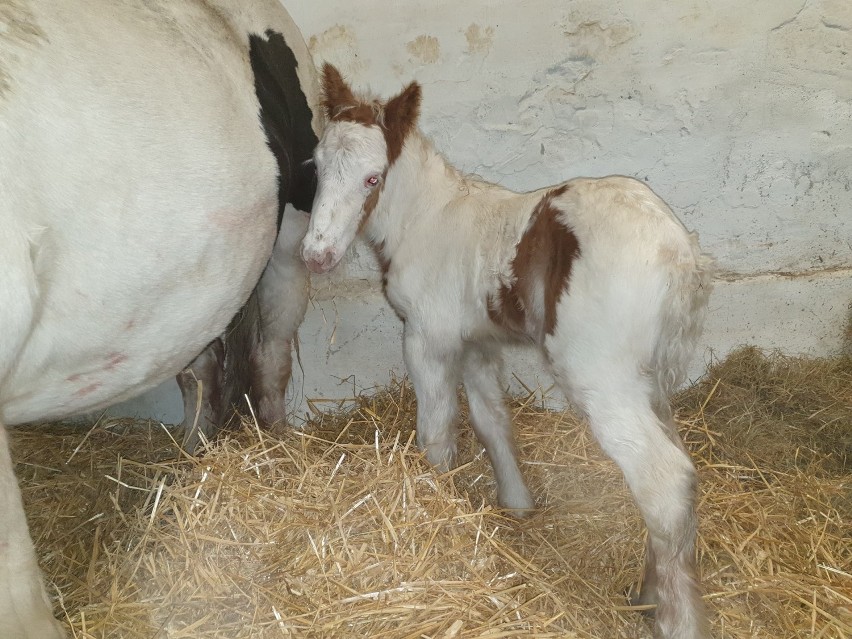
(361, 142)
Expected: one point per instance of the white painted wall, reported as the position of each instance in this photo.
(738, 114)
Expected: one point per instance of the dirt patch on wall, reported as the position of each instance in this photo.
(425, 49)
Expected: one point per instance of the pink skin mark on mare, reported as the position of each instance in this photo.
(114, 360)
(232, 220)
(227, 219)
(88, 390)
(129, 325)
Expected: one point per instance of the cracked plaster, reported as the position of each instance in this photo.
(738, 115)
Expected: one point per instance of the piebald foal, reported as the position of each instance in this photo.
(598, 273)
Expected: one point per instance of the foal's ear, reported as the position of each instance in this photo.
(401, 115)
(335, 92)
(401, 112)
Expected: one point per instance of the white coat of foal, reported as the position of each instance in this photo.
(598, 273)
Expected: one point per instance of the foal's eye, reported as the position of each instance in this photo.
(371, 181)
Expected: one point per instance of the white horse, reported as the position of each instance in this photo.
(598, 273)
(147, 151)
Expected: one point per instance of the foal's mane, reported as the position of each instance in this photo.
(366, 111)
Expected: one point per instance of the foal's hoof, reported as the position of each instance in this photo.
(518, 504)
(270, 411)
(643, 599)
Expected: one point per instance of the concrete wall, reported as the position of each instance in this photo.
(738, 114)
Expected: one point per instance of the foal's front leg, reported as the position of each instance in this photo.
(282, 295)
(433, 365)
(493, 426)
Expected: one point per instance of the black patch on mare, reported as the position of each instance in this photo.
(286, 119)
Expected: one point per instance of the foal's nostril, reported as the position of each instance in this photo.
(319, 261)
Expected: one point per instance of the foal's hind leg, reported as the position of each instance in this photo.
(493, 427)
(662, 479)
(647, 593)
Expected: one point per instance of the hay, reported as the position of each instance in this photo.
(344, 530)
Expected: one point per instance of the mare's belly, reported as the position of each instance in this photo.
(113, 327)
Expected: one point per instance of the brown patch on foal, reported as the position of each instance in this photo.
(396, 118)
(337, 97)
(401, 114)
(541, 267)
(371, 202)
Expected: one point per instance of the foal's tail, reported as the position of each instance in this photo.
(682, 317)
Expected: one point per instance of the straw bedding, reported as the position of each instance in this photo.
(344, 531)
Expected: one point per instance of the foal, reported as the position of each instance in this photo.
(598, 273)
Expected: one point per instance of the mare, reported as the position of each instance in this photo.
(148, 150)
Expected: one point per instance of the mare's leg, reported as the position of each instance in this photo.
(25, 610)
(283, 299)
(660, 474)
(201, 386)
(493, 426)
(433, 365)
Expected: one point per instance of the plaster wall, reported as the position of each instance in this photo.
(739, 115)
